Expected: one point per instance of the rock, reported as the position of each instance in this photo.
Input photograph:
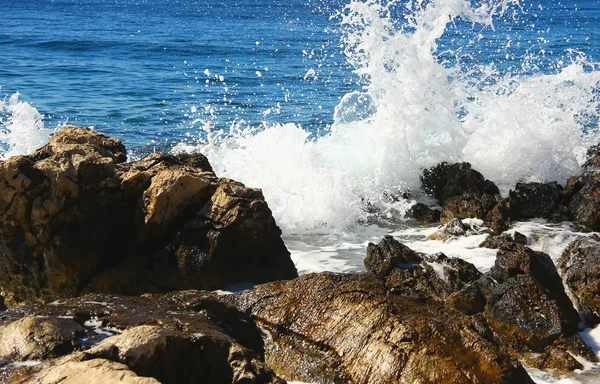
(75, 218)
(2, 305)
(348, 328)
(36, 338)
(388, 254)
(423, 214)
(526, 317)
(582, 194)
(467, 206)
(88, 371)
(504, 241)
(560, 356)
(181, 337)
(579, 266)
(531, 200)
(453, 229)
(447, 180)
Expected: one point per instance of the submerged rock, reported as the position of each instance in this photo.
(75, 218)
(183, 337)
(579, 266)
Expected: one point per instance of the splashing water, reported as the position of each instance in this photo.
(21, 128)
(417, 109)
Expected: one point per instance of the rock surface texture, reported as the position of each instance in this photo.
(583, 192)
(75, 218)
(183, 337)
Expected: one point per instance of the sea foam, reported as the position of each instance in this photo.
(418, 106)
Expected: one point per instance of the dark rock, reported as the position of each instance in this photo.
(560, 355)
(582, 194)
(470, 300)
(504, 241)
(468, 206)
(447, 180)
(423, 214)
(530, 200)
(387, 255)
(2, 305)
(348, 328)
(526, 317)
(579, 266)
(453, 229)
(182, 337)
(498, 219)
(74, 218)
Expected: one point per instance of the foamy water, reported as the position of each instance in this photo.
(425, 95)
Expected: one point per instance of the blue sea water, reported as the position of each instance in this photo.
(148, 70)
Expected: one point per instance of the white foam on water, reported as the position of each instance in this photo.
(414, 111)
(21, 128)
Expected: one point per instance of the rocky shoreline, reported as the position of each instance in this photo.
(108, 270)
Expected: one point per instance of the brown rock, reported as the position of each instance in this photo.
(182, 337)
(75, 218)
(579, 266)
(530, 200)
(387, 255)
(348, 328)
(35, 338)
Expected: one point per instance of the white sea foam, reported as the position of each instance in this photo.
(21, 127)
(414, 112)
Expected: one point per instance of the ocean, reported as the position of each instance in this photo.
(333, 108)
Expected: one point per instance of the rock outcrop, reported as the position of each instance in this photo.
(531, 200)
(465, 193)
(579, 266)
(75, 218)
(183, 337)
(582, 194)
(350, 328)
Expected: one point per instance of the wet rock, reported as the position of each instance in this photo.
(387, 255)
(2, 305)
(333, 327)
(182, 337)
(526, 317)
(36, 338)
(531, 200)
(579, 265)
(470, 300)
(87, 371)
(582, 194)
(504, 241)
(468, 206)
(455, 228)
(75, 218)
(423, 214)
(447, 180)
(560, 356)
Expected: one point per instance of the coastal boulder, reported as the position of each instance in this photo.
(388, 254)
(582, 194)
(75, 218)
(531, 200)
(579, 266)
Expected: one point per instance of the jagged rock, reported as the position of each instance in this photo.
(453, 229)
(75, 218)
(560, 355)
(579, 265)
(181, 337)
(423, 214)
(526, 317)
(468, 206)
(504, 241)
(348, 328)
(447, 180)
(35, 338)
(530, 200)
(582, 194)
(388, 254)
